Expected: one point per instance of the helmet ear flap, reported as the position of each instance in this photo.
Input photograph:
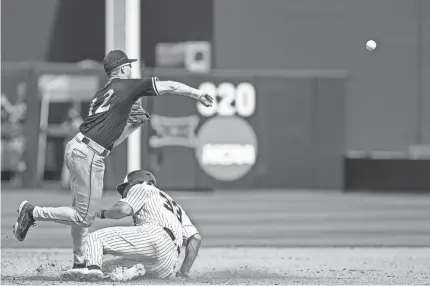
(152, 179)
(124, 191)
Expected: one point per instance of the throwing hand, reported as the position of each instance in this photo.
(206, 100)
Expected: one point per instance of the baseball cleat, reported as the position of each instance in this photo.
(24, 221)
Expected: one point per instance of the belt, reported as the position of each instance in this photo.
(172, 236)
(92, 145)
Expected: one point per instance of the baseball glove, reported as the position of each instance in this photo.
(138, 115)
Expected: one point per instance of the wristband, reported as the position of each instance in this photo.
(102, 214)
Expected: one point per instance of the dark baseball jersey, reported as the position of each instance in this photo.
(111, 106)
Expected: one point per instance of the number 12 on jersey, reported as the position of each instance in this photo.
(104, 106)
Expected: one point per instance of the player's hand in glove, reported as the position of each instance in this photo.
(138, 115)
(206, 100)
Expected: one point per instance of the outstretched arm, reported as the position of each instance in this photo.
(133, 202)
(177, 88)
(118, 211)
(191, 251)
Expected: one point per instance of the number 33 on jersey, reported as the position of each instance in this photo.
(172, 206)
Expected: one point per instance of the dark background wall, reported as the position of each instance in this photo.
(425, 67)
(26, 28)
(384, 88)
(74, 30)
(52, 30)
(170, 21)
(388, 104)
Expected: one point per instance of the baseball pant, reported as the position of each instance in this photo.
(147, 244)
(86, 168)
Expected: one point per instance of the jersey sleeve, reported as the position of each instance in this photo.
(148, 87)
(188, 229)
(137, 197)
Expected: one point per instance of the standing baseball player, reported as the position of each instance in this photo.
(113, 115)
(160, 228)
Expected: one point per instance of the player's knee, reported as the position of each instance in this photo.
(84, 223)
(85, 220)
(89, 220)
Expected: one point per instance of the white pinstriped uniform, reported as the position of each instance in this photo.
(146, 242)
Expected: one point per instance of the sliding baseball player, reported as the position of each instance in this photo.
(160, 228)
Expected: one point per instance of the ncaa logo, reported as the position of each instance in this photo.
(226, 148)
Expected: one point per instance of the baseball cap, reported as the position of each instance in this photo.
(114, 59)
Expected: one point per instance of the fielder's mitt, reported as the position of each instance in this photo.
(138, 115)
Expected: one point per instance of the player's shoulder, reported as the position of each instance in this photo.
(133, 83)
(162, 192)
(121, 83)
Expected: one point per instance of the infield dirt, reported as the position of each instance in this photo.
(248, 266)
(283, 219)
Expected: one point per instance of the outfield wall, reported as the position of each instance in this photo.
(267, 129)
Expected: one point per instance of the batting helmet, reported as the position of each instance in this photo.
(136, 177)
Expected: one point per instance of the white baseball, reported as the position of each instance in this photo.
(371, 45)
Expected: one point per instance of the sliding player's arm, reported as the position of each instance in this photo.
(118, 211)
(136, 198)
(192, 242)
(191, 250)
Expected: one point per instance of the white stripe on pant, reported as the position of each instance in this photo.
(149, 244)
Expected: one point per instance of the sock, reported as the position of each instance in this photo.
(77, 265)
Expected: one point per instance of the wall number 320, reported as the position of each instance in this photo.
(240, 99)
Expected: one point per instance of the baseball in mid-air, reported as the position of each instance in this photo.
(371, 45)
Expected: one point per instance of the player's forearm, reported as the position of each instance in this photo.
(130, 128)
(177, 88)
(114, 213)
(118, 211)
(191, 252)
